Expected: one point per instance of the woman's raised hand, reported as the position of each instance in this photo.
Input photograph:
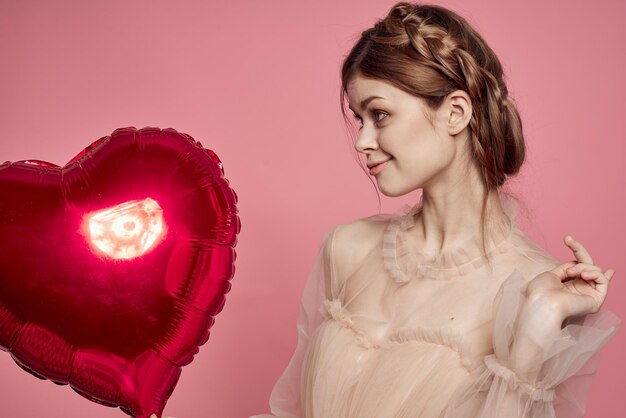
(574, 288)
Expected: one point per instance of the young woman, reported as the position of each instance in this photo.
(445, 309)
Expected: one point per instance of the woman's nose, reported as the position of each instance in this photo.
(366, 140)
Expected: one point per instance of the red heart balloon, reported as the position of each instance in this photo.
(113, 267)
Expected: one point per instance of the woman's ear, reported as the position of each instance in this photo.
(458, 106)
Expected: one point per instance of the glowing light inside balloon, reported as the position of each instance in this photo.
(127, 230)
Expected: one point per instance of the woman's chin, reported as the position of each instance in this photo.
(392, 192)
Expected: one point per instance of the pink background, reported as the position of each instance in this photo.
(257, 81)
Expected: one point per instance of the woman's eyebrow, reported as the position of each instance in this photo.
(364, 102)
(369, 99)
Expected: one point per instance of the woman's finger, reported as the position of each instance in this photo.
(561, 270)
(578, 249)
(580, 267)
(591, 274)
(602, 284)
(598, 281)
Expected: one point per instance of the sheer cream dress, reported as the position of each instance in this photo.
(388, 331)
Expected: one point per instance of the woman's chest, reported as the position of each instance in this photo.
(365, 339)
(463, 301)
(461, 308)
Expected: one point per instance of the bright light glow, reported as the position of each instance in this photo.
(127, 230)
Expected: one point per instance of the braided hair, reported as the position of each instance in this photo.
(429, 51)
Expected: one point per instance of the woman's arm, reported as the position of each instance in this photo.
(518, 387)
(536, 359)
(285, 401)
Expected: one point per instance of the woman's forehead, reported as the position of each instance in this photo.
(361, 89)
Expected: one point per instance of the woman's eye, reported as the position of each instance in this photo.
(379, 115)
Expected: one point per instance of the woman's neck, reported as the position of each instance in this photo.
(451, 216)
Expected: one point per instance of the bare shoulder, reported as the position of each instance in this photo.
(353, 241)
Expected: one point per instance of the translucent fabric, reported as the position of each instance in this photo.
(386, 330)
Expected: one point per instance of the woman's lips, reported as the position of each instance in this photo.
(378, 168)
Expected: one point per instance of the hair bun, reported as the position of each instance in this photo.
(401, 10)
(430, 51)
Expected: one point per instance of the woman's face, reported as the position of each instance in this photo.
(394, 130)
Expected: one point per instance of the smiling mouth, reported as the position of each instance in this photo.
(375, 169)
(377, 164)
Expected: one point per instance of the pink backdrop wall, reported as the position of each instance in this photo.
(257, 81)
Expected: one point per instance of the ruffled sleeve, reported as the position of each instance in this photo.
(562, 371)
(285, 399)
